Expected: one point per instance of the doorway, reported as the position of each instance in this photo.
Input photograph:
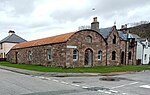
(122, 57)
(88, 61)
(16, 57)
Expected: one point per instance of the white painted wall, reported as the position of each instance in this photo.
(143, 52)
(6, 48)
(139, 51)
(146, 56)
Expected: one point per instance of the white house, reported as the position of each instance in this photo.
(143, 49)
(8, 42)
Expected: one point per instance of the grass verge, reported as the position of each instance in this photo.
(96, 69)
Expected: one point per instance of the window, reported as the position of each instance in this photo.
(100, 55)
(30, 55)
(114, 39)
(1, 55)
(113, 55)
(89, 39)
(75, 55)
(49, 54)
(145, 56)
(130, 55)
(1, 46)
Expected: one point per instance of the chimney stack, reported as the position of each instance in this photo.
(124, 28)
(95, 24)
(11, 32)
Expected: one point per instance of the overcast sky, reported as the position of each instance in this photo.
(34, 19)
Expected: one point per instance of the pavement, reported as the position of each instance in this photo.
(58, 74)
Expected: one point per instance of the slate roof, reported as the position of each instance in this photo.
(122, 35)
(135, 36)
(105, 31)
(44, 41)
(13, 39)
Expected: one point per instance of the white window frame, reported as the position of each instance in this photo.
(100, 55)
(75, 55)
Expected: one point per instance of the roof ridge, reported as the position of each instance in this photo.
(47, 40)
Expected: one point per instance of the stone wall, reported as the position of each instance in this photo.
(39, 55)
(79, 40)
(113, 47)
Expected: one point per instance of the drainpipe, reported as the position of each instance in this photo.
(106, 53)
(143, 55)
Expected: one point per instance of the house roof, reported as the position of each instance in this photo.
(135, 36)
(44, 41)
(105, 31)
(13, 39)
(122, 35)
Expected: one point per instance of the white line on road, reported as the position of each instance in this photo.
(100, 91)
(145, 86)
(107, 92)
(55, 80)
(113, 91)
(75, 85)
(47, 78)
(64, 82)
(84, 87)
(125, 85)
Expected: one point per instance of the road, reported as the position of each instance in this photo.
(12, 83)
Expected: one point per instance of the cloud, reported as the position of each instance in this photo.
(17, 7)
(33, 19)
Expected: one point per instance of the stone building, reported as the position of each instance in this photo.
(88, 47)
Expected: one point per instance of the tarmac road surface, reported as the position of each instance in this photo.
(12, 83)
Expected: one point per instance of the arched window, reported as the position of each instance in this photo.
(130, 55)
(49, 54)
(113, 55)
(29, 55)
(114, 39)
(89, 39)
(100, 55)
(75, 55)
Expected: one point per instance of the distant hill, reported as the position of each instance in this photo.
(141, 30)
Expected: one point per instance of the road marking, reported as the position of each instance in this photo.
(113, 91)
(41, 77)
(64, 82)
(107, 92)
(84, 87)
(47, 78)
(55, 80)
(125, 85)
(100, 91)
(145, 86)
(75, 85)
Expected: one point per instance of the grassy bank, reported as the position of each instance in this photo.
(96, 69)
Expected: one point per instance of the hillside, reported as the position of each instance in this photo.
(141, 30)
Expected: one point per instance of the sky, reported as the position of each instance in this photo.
(35, 19)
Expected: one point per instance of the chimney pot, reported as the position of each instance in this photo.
(95, 19)
(11, 32)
